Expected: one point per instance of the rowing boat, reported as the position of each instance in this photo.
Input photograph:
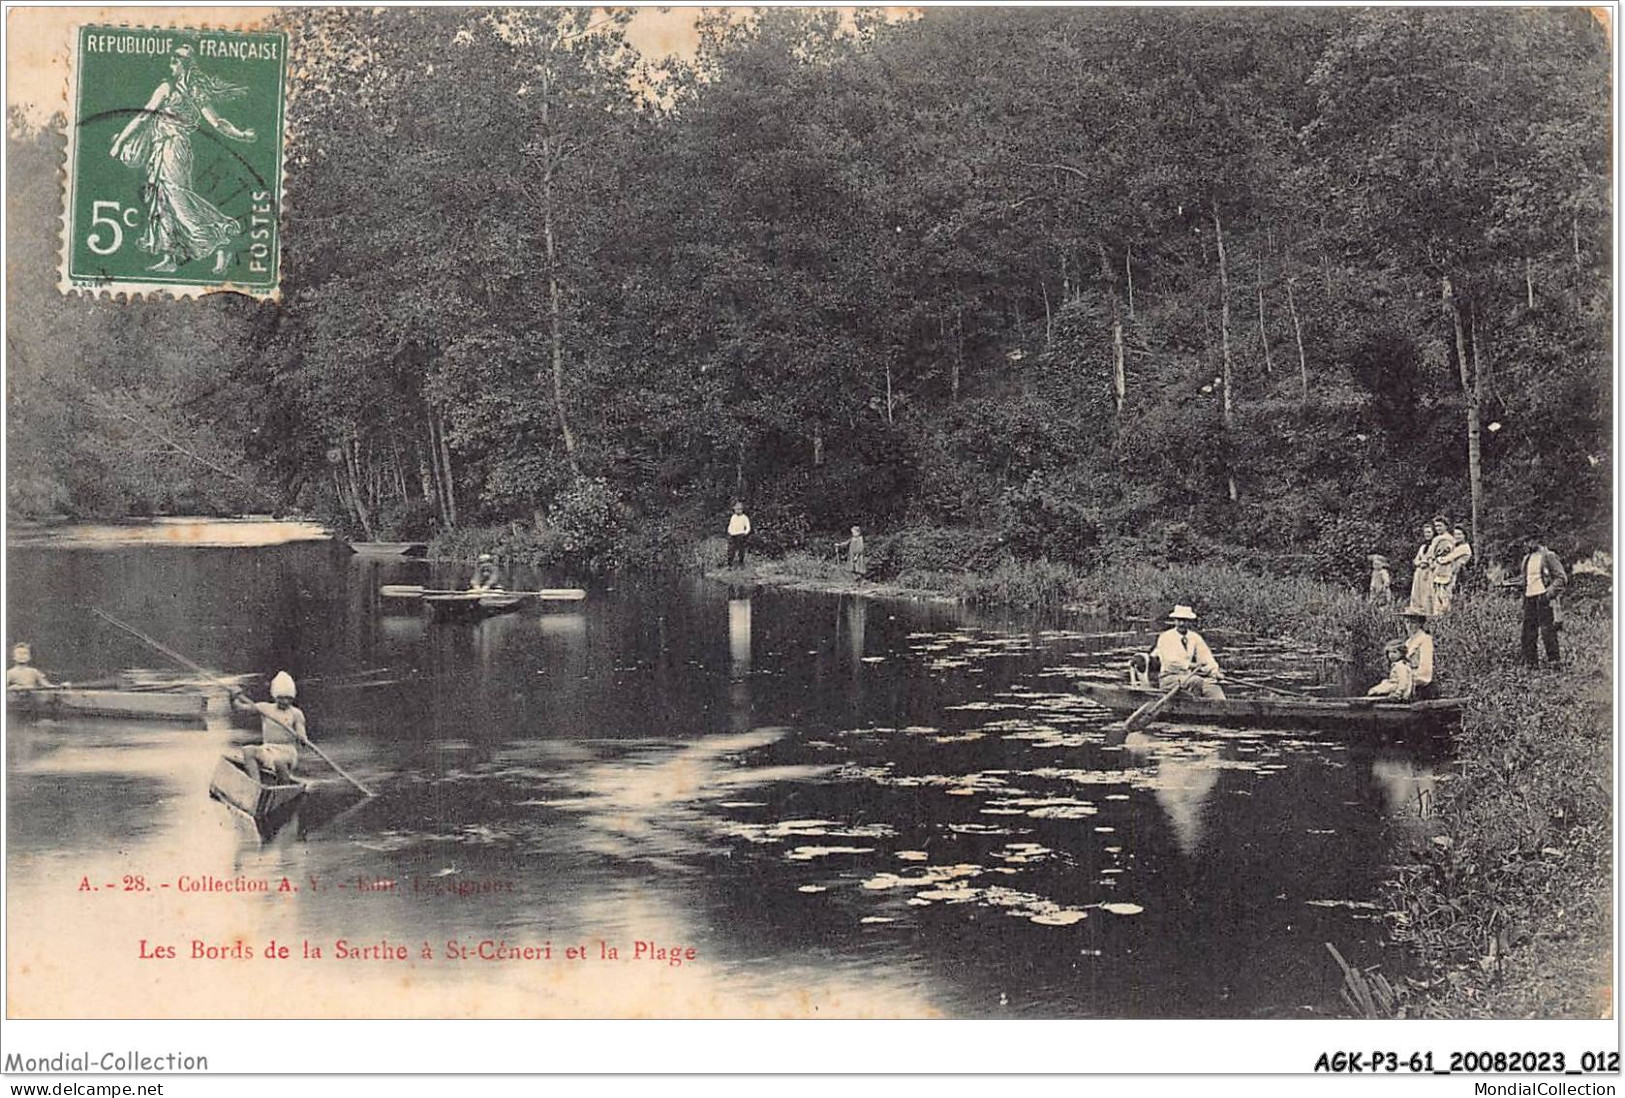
(467, 605)
(235, 786)
(1345, 713)
(152, 705)
(390, 548)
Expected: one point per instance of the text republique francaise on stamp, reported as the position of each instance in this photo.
(174, 177)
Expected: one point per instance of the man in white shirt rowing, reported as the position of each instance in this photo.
(1184, 655)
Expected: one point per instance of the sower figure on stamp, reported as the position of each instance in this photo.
(182, 225)
(282, 730)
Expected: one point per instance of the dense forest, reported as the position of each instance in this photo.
(1068, 282)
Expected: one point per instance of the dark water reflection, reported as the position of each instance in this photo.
(846, 806)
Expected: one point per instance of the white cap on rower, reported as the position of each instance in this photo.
(282, 686)
(21, 654)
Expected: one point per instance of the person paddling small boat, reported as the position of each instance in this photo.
(22, 674)
(487, 576)
(282, 730)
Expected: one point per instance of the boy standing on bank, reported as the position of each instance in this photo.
(738, 534)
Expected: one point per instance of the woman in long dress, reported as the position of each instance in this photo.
(182, 225)
(1448, 568)
(1422, 577)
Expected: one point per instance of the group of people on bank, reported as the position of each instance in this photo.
(1181, 658)
(1437, 567)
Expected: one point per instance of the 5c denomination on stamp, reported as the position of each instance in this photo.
(174, 179)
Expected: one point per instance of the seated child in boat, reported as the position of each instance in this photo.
(282, 730)
(1400, 685)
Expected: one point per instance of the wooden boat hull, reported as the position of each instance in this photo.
(471, 605)
(147, 705)
(390, 548)
(1309, 713)
(233, 785)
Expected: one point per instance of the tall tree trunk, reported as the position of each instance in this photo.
(1263, 326)
(959, 350)
(888, 394)
(555, 324)
(1297, 334)
(445, 472)
(427, 480)
(347, 472)
(818, 445)
(1472, 390)
(1128, 267)
(433, 465)
(1224, 344)
(1049, 320)
(1529, 280)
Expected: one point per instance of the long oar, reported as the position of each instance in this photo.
(1266, 686)
(417, 591)
(189, 665)
(1148, 712)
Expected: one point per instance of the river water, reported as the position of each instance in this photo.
(801, 805)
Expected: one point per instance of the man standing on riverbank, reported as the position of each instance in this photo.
(738, 534)
(1183, 654)
(1543, 580)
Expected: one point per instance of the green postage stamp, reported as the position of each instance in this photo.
(174, 176)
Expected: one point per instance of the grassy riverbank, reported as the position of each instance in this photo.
(1508, 912)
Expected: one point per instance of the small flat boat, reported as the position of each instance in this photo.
(186, 707)
(471, 605)
(1438, 714)
(235, 786)
(413, 549)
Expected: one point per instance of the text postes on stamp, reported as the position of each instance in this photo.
(174, 178)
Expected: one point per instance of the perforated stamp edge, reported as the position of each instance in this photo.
(180, 289)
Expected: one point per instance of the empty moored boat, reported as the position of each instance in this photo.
(235, 786)
(186, 707)
(1438, 714)
(390, 548)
